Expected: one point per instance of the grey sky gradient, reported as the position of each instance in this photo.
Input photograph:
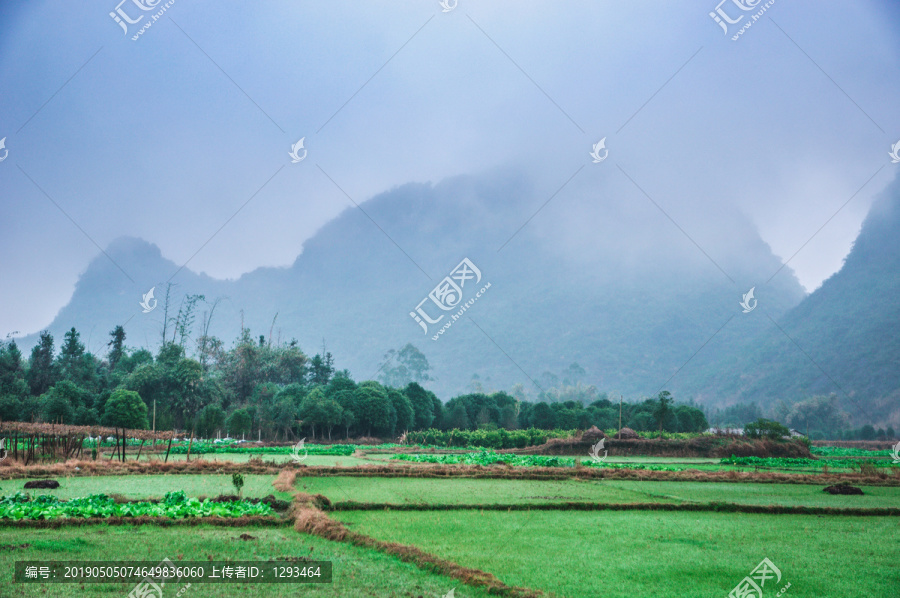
(165, 138)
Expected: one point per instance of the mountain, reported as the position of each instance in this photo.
(591, 278)
(842, 339)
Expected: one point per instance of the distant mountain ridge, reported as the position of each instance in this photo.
(636, 316)
(842, 339)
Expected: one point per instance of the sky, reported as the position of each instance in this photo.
(182, 135)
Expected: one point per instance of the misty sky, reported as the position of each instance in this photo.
(167, 137)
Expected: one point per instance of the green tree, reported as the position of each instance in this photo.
(116, 347)
(210, 419)
(663, 409)
(867, 432)
(71, 394)
(422, 405)
(11, 367)
(340, 382)
(75, 365)
(239, 422)
(348, 418)
(310, 410)
(283, 364)
(690, 419)
(187, 390)
(128, 363)
(319, 410)
(766, 428)
(509, 417)
(334, 414)
(438, 409)
(125, 409)
(457, 418)
(11, 408)
(240, 368)
(543, 417)
(12, 377)
(351, 409)
(41, 373)
(376, 409)
(405, 417)
(86, 417)
(321, 369)
(59, 403)
(70, 354)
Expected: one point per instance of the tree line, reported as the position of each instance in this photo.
(260, 389)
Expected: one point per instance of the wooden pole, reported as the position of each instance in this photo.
(170, 447)
(140, 449)
(189, 445)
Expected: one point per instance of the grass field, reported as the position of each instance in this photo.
(763, 494)
(664, 555)
(561, 553)
(357, 571)
(467, 491)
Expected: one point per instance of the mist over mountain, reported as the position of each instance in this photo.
(591, 278)
(842, 339)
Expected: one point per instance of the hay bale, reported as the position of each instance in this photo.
(626, 434)
(593, 435)
(43, 484)
(842, 488)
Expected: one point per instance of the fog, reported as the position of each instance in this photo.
(182, 137)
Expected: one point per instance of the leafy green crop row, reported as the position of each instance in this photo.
(801, 462)
(175, 505)
(492, 458)
(840, 451)
(652, 434)
(496, 439)
(203, 448)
